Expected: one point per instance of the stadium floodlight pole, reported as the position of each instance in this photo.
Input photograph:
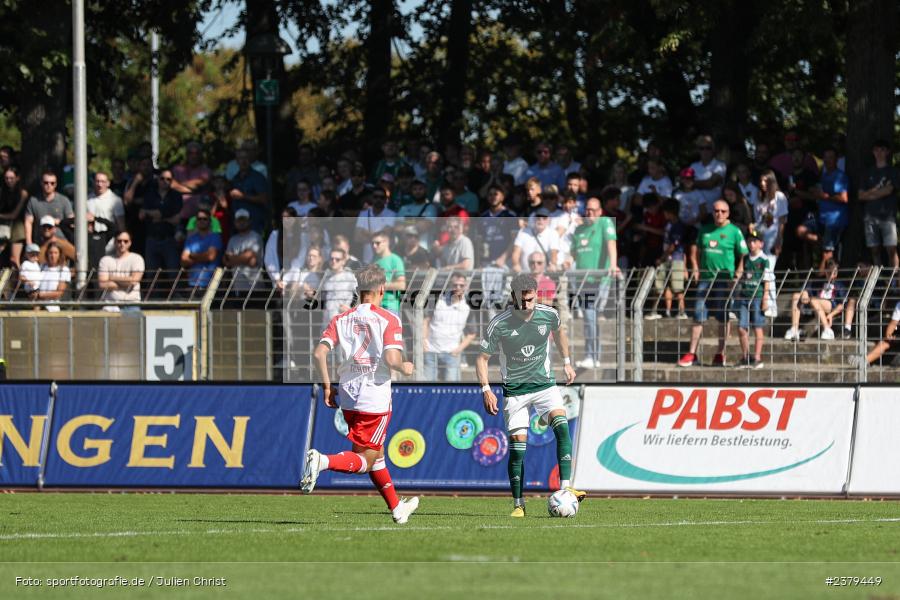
(154, 95)
(79, 118)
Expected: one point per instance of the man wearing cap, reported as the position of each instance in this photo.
(50, 233)
(51, 203)
(161, 215)
(202, 250)
(243, 254)
(537, 238)
(415, 256)
(119, 276)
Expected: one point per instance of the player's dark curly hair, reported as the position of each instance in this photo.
(521, 283)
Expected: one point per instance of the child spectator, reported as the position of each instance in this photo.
(827, 301)
(671, 265)
(752, 302)
(692, 210)
(30, 271)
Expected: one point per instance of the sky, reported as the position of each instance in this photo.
(215, 22)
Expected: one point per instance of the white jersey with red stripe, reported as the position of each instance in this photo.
(363, 334)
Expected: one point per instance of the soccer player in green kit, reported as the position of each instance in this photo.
(521, 335)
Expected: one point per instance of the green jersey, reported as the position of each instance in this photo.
(718, 248)
(393, 268)
(607, 226)
(524, 348)
(587, 243)
(754, 270)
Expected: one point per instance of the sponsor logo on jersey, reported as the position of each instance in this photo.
(713, 243)
(528, 350)
(542, 329)
(484, 344)
(514, 334)
(398, 337)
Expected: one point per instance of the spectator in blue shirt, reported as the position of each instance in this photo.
(833, 211)
(250, 192)
(202, 251)
(545, 170)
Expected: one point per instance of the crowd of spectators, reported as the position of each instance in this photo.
(458, 209)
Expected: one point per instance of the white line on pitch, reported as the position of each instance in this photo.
(565, 525)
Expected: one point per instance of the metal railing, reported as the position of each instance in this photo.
(257, 332)
(809, 357)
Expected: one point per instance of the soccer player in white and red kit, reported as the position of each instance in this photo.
(371, 343)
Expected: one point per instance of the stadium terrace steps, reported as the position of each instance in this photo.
(835, 353)
(732, 374)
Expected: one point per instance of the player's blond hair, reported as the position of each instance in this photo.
(370, 278)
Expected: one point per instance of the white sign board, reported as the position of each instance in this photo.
(169, 347)
(876, 451)
(714, 439)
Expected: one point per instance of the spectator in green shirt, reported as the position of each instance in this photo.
(753, 299)
(593, 247)
(394, 271)
(717, 266)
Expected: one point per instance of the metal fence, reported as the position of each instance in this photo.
(240, 331)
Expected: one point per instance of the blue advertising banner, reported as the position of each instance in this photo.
(441, 437)
(178, 435)
(23, 414)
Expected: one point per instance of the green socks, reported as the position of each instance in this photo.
(560, 427)
(516, 467)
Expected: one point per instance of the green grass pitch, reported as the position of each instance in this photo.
(323, 546)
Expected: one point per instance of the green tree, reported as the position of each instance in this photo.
(35, 63)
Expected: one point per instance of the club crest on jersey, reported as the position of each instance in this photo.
(528, 350)
(542, 329)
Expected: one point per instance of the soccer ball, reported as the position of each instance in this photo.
(562, 503)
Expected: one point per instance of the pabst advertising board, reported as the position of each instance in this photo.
(715, 439)
(876, 469)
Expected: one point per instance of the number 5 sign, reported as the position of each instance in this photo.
(169, 349)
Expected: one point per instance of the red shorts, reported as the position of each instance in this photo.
(367, 429)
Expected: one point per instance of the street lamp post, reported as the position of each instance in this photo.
(267, 48)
